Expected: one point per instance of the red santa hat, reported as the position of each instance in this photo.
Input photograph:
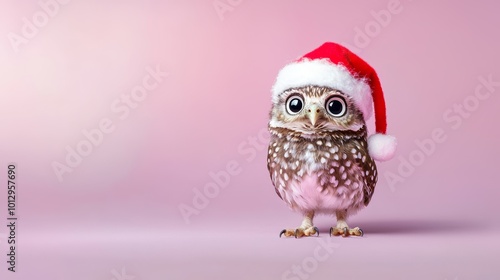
(332, 65)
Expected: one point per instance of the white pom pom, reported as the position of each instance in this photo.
(381, 146)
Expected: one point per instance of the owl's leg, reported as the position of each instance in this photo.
(306, 228)
(342, 228)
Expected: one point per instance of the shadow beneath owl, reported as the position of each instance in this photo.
(412, 226)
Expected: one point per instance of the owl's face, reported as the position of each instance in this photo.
(312, 109)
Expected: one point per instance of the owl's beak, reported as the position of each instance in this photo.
(313, 114)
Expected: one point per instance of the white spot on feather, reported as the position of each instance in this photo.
(334, 181)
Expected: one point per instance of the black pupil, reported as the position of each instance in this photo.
(335, 107)
(295, 105)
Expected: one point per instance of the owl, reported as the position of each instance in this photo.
(320, 159)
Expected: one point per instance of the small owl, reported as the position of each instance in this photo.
(320, 159)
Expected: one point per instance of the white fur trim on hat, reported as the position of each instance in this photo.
(382, 147)
(322, 72)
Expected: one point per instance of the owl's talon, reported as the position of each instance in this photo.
(346, 232)
(300, 232)
(316, 230)
(356, 231)
(336, 231)
(287, 233)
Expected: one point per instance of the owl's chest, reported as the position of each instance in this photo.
(317, 174)
(296, 158)
(340, 168)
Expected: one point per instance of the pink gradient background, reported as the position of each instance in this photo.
(119, 208)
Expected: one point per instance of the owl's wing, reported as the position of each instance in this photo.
(271, 172)
(370, 178)
(368, 169)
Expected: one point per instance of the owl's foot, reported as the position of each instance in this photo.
(300, 232)
(345, 231)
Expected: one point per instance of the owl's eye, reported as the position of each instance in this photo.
(294, 104)
(336, 106)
